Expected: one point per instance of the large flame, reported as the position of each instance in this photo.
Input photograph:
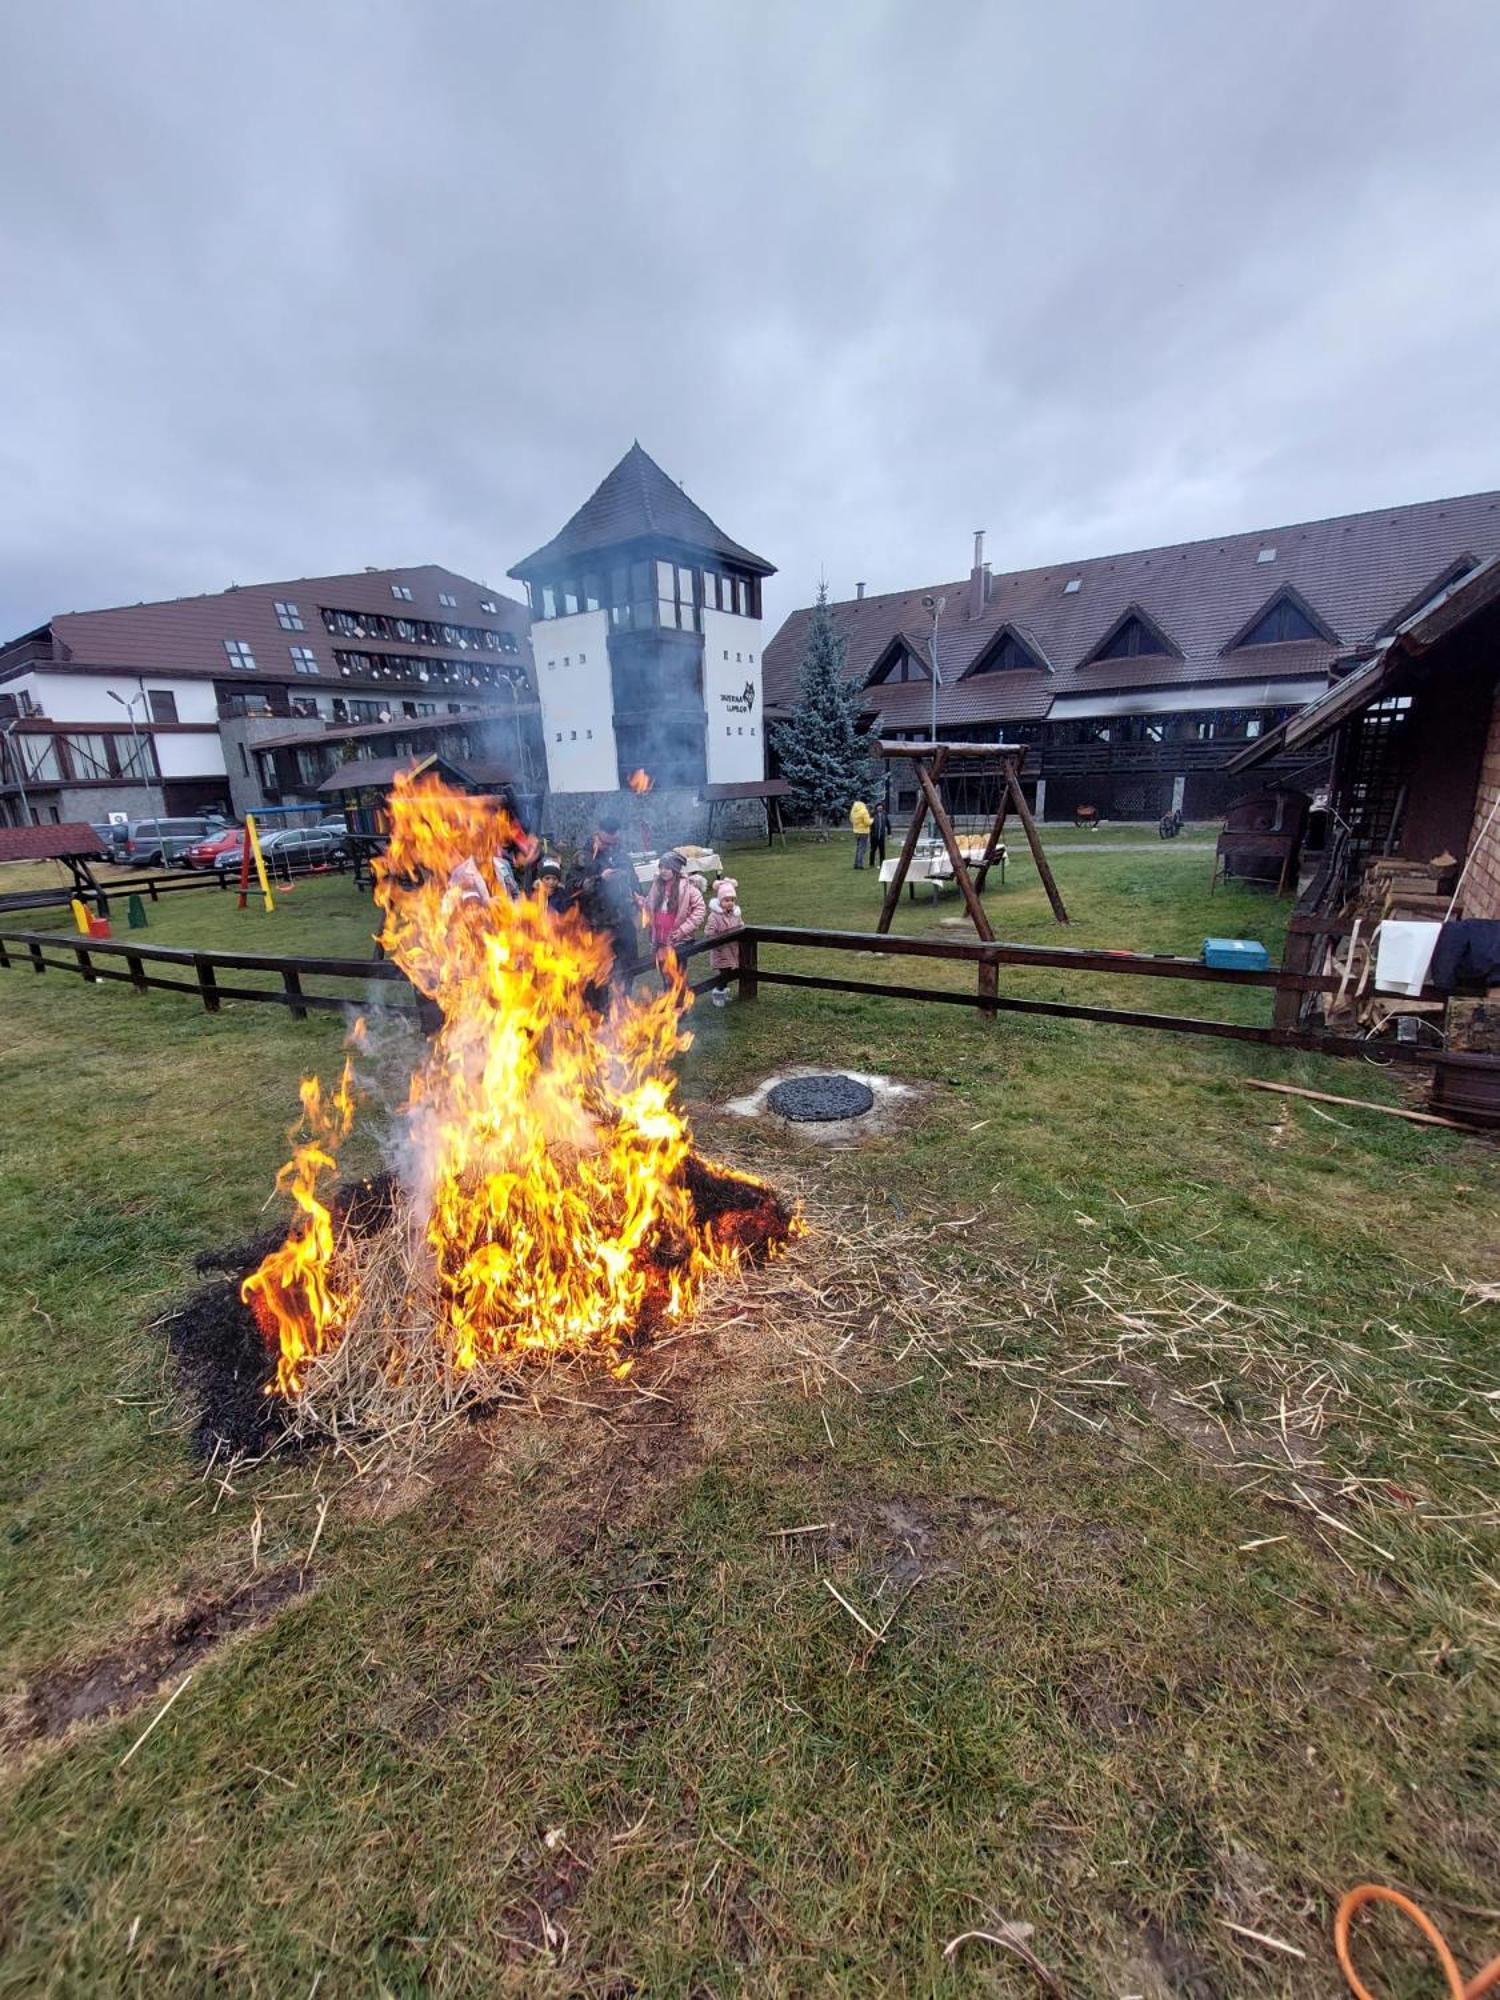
(544, 1149)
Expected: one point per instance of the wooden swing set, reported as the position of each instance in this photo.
(931, 760)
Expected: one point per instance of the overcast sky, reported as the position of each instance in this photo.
(291, 288)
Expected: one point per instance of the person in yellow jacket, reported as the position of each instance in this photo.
(859, 819)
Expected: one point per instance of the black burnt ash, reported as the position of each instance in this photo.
(820, 1100)
(223, 1360)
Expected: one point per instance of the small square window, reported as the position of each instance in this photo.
(572, 735)
(559, 736)
(738, 661)
(288, 617)
(1266, 555)
(567, 659)
(583, 659)
(726, 652)
(488, 604)
(589, 735)
(1072, 587)
(304, 659)
(444, 598)
(240, 654)
(400, 590)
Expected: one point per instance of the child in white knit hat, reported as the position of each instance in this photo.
(723, 918)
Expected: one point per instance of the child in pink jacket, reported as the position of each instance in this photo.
(724, 916)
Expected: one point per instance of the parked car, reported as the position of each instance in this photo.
(158, 843)
(230, 856)
(111, 835)
(206, 853)
(304, 846)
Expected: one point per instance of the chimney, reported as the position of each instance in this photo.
(859, 591)
(976, 576)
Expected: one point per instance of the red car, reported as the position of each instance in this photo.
(220, 850)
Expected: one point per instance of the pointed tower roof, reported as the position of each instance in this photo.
(637, 502)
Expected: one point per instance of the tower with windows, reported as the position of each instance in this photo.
(647, 638)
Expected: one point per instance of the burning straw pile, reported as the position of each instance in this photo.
(546, 1199)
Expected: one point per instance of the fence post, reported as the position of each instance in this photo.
(989, 987)
(1297, 955)
(38, 963)
(137, 970)
(152, 890)
(749, 967)
(291, 979)
(85, 965)
(208, 984)
(4, 956)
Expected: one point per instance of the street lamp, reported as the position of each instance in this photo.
(7, 737)
(935, 606)
(129, 708)
(523, 748)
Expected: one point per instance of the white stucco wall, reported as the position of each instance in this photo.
(732, 696)
(572, 671)
(69, 698)
(180, 754)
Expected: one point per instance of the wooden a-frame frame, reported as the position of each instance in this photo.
(930, 760)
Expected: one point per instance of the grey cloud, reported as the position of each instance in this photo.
(297, 287)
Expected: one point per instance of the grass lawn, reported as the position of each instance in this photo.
(1149, 1410)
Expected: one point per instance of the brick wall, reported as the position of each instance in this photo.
(1481, 897)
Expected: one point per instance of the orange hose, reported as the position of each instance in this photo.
(1486, 1980)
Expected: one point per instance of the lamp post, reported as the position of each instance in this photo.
(523, 748)
(7, 736)
(935, 606)
(129, 708)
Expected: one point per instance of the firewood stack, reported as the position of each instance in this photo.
(1393, 886)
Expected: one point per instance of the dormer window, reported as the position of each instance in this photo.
(1006, 653)
(1284, 621)
(898, 663)
(1133, 638)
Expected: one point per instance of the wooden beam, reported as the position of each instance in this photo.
(925, 751)
(1117, 1017)
(908, 849)
(1034, 841)
(1357, 1104)
(955, 853)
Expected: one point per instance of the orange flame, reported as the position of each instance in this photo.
(545, 1141)
(294, 1293)
(639, 781)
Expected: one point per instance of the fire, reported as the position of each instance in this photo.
(544, 1152)
(295, 1293)
(639, 781)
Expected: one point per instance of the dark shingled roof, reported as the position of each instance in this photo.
(50, 843)
(634, 503)
(381, 771)
(185, 635)
(1355, 572)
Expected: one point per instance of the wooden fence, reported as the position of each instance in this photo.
(175, 969)
(158, 883)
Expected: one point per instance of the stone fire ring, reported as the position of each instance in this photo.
(820, 1100)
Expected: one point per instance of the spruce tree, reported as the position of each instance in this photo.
(823, 756)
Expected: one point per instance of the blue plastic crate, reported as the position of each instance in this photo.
(1236, 954)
